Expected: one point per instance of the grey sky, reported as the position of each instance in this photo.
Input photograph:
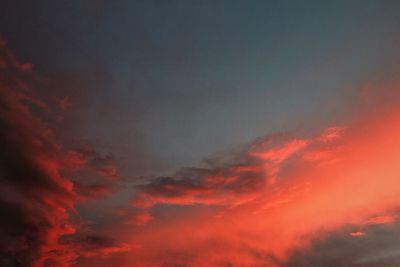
(165, 84)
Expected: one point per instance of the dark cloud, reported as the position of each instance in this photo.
(227, 184)
(138, 218)
(93, 191)
(378, 246)
(87, 158)
(99, 171)
(90, 245)
(222, 186)
(36, 199)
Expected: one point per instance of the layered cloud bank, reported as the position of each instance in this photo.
(328, 198)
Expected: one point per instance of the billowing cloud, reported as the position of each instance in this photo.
(36, 199)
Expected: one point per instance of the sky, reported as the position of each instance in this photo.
(199, 133)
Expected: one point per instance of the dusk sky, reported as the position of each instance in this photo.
(199, 133)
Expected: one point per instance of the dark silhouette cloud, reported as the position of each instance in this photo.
(35, 198)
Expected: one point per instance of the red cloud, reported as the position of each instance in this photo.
(93, 191)
(230, 186)
(357, 234)
(385, 219)
(90, 245)
(35, 198)
(321, 183)
(87, 158)
(139, 218)
(286, 192)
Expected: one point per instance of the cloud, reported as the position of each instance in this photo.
(230, 186)
(306, 201)
(93, 191)
(139, 218)
(87, 158)
(385, 219)
(285, 193)
(63, 103)
(94, 245)
(357, 234)
(35, 198)
(100, 172)
(235, 184)
(377, 246)
(133, 216)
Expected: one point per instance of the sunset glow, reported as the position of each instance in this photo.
(199, 134)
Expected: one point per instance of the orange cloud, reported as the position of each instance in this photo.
(385, 219)
(337, 178)
(357, 234)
